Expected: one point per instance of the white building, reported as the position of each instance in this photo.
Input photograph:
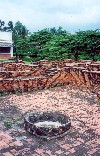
(6, 45)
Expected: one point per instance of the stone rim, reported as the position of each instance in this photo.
(47, 133)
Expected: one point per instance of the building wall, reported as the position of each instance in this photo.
(11, 51)
(5, 56)
(6, 38)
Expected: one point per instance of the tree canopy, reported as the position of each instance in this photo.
(54, 44)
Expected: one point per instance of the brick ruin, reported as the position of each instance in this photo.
(44, 74)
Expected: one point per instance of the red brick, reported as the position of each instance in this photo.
(5, 56)
(3, 145)
(72, 150)
(92, 151)
(48, 152)
(59, 152)
(18, 143)
(67, 153)
(7, 154)
(40, 151)
(13, 151)
(66, 146)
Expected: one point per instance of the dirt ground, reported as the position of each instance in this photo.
(79, 104)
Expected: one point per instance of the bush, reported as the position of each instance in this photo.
(37, 58)
(84, 57)
(27, 58)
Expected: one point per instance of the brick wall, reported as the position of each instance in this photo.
(18, 76)
(5, 56)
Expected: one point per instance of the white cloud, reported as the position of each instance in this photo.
(39, 14)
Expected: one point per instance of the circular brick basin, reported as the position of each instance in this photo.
(47, 124)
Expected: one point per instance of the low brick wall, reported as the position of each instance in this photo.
(5, 56)
(23, 67)
(21, 74)
(45, 74)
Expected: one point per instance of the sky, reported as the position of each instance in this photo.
(71, 15)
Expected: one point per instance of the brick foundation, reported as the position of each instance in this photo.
(5, 56)
(40, 75)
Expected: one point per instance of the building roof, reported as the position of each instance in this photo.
(4, 43)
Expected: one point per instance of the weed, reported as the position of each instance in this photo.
(98, 102)
(8, 123)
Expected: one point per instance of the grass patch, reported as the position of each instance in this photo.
(7, 61)
(27, 62)
(8, 123)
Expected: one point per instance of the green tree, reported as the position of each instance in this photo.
(56, 48)
(38, 40)
(19, 30)
(2, 23)
(20, 34)
(90, 43)
(9, 27)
